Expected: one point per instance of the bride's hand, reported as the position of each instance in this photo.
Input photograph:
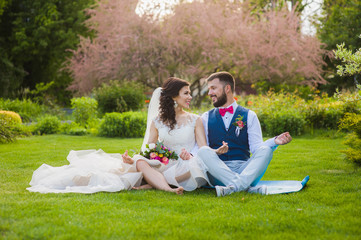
(222, 149)
(185, 155)
(127, 158)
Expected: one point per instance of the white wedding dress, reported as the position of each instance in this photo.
(91, 171)
(190, 174)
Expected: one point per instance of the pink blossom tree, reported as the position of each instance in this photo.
(199, 38)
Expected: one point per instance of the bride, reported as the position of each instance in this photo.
(92, 171)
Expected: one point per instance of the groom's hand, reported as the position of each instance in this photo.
(185, 155)
(283, 138)
(222, 149)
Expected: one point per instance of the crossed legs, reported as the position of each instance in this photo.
(249, 174)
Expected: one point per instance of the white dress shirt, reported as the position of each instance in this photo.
(254, 130)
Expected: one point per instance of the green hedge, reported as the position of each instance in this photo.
(280, 112)
(127, 124)
(27, 109)
(119, 97)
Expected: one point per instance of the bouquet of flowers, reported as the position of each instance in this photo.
(159, 152)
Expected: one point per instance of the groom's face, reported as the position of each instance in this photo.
(216, 90)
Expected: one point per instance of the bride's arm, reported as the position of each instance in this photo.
(200, 134)
(153, 133)
(202, 141)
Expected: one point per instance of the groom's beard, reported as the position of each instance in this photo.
(221, 100)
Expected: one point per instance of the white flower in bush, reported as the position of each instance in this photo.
(151, 146)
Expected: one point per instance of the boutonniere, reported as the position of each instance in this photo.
(239, 124)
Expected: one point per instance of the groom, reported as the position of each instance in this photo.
(238, 131)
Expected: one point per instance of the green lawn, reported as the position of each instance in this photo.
(328, 208)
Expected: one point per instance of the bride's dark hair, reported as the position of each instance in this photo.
(170, 89)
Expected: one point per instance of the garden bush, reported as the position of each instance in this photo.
(11, 127)
(47, 125)
(127, 124)
(277, 112)
(11, 117)
(78, 131)
(27, 109)
(72, 128)
(352, 122)
(283, 121)
(119, 97)
(85, 109)
(289, 112)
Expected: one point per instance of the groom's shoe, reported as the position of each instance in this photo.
(258, 189)
(223, 191)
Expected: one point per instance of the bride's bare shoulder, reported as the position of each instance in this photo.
(192, 116)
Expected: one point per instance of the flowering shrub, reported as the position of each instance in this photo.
(280, 112)
(159, 152)
(277, 113)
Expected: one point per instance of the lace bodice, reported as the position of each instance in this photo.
(182, 136)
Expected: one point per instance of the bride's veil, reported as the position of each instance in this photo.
(153, 110)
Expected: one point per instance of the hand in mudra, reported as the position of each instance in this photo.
(127, 158)
(283, 138)
(222, 149)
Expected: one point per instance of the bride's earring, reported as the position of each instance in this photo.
(175, 104)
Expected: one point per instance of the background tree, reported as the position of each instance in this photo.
(34, 37)
(192, 43)
(274, 5)
(351, 61)
(341, 22)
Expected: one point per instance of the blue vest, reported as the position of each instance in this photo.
(238, 145)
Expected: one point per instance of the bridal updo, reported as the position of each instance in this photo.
(170, 89)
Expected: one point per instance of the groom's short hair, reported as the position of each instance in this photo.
(224, 77)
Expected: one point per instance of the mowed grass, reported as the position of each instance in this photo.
(328, 208)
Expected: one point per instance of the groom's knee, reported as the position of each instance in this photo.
(265, 151)
(208, 156)
(204, 151)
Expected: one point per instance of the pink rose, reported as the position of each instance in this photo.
(240, 124)
(153, 155)
(165, 160)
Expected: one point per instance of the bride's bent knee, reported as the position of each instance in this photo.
(141, 164)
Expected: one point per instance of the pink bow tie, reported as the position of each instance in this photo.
(223, 111)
